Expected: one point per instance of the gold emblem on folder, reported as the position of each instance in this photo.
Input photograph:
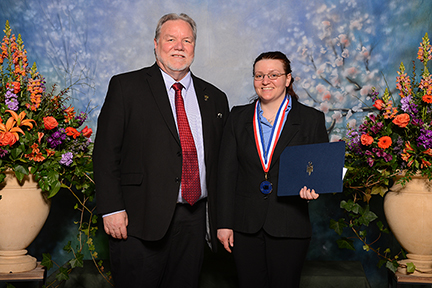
(309, 168)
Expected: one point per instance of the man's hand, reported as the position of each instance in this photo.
(115, 225)
(226, 237)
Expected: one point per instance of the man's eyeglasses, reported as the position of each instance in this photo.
(271, 76)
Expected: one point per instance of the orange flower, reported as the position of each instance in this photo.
(35, 155)
(366, 139)
(50, 122)
(425, 163)
(72, 132)
(406, 155)
(40, 135)
(427, 98)
(50, 152)
(17, 120)
(379, 104)
(86, 132)
(7, 138)
(17, 87)
(408, 147)
(70, 114)
(384, 142)
(401, 120)
(38, 157)
(428, 152)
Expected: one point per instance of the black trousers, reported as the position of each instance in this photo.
(264, 261)
(174, 261)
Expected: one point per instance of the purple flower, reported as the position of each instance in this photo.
(81, 118)
(67, 159)
(370, 161)
(353, 141)
(377, 127)
(9, 94)
(374, 95)
(417, 122)
(57, 138)
(387, 157)
(425, 138)
(12, 104)
(379, 152)
(399, 146)
(406, 103)
(3, 153)
(11, 100)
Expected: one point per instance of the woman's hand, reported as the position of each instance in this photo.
(308, 194)
(226, 237)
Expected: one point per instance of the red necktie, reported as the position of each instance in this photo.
(190, 180)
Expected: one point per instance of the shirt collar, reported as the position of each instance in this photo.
(169, 81)
(287, 109)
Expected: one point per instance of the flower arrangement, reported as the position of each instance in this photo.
(395, 139)
(39, 133)
(398, 137)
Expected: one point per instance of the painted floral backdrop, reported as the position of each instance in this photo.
(339, 49)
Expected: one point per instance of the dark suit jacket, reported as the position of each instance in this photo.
(241, 205)
(137, 154)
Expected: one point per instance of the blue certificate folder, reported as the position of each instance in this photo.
(316, 166)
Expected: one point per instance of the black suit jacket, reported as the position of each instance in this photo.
(241, 205)
(137, 154)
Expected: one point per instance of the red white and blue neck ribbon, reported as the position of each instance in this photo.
(267, 154)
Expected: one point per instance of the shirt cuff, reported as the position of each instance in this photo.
(109, 214)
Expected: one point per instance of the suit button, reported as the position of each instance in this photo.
(177, 179)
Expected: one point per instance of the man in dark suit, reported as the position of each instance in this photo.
(144, 170)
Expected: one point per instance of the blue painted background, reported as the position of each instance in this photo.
(339, 50)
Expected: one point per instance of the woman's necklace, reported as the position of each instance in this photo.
(271, 119)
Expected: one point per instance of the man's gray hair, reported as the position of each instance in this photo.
(174, 16)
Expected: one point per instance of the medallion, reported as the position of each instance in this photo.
(266, 187)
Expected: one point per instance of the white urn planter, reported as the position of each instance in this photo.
(23, 211)
(408, 210)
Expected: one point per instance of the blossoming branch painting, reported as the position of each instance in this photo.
(340, 50)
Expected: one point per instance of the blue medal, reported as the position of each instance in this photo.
(266, 155)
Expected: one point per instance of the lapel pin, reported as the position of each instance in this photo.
(219, 115)
(206, 97)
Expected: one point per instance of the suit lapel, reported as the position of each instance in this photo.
(206, 113)
(160, 95)
(291, 128)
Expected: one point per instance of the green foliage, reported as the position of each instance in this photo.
(46, 261)
(386, 146)
(63, 274)
(345, 243)
(392, 265)
(411, 267)
(338, 226)
(78, 261)
(42, 135)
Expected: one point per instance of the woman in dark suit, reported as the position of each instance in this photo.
(269, 235)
